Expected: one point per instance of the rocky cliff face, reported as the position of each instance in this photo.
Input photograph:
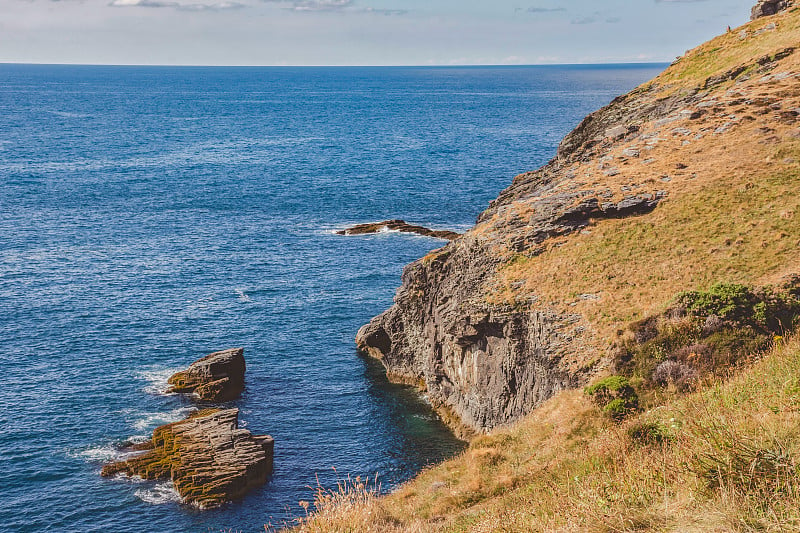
(765, 8)
(491, 364)
(490, 360)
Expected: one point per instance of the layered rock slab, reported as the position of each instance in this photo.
(401, 226)
(217, 377)
(208, 458)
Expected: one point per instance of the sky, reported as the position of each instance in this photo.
(359, 32)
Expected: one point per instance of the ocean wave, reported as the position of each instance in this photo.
(146, 421)
(65, 114)
(156, 379)
(104, 453)
(108, 452)
(243, 297)
(159, 494)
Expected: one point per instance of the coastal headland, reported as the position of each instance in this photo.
(615, 332)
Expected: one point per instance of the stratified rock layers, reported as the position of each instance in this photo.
(401, 226)
(207, 457)
(217, 377)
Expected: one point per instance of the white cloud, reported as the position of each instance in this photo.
(221, 6)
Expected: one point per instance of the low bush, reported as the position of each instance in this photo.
(615, 396)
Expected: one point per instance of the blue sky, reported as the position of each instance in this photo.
(358, 32)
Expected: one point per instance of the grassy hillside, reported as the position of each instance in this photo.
(721, 459)
(723, 456)
(730, 166)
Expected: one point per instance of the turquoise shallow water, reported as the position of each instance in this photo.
(149, 216)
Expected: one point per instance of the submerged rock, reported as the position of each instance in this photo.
(207, 457)
(398, 225)
(218, 377)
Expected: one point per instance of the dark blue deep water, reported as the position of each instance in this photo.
(149, 216)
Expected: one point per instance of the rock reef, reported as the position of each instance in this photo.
(207, 457)
(217, 377)
(398, 225)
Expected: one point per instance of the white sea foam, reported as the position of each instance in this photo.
(159, 494)
(65, 114)
(156, 379)
(243, 297)
(146, 421)
(105, 453)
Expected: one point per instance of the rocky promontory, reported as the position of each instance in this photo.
(765, 8)
(209, 459)
(217, 377)
(686, 180)
(401, 226)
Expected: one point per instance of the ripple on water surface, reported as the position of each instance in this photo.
(149, 216)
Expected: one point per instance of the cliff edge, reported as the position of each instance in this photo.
(687, 180)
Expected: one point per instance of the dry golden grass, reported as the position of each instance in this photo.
(732, 213)
(729, 50)
(727, 461)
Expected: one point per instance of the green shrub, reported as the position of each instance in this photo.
(615, 396)
(611, 383)
(706, 333)
(730, 301)
(647, 433)
(760, 308)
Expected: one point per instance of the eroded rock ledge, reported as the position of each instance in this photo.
(490, 360)
(207, 457)
(765, 8)
(217, 377)
(398, 225)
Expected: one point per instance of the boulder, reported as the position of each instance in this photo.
(765, 8)
(207, 457)
(218, 377)
(398, 225)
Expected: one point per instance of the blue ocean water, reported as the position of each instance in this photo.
(149, 216)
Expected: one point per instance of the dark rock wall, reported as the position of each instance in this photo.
(491, 364)
(765, 8)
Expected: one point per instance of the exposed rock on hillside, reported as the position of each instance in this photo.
(398, 225)
(218, 377)
(765, 8)
(483, 325)
(207, 457)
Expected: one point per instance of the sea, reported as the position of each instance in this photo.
(152, 215)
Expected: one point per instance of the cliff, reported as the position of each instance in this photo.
(688, 180)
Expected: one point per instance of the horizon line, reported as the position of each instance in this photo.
(410, 65)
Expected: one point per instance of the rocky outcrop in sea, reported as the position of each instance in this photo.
(401, 226)
(217, 377)
(209, 459)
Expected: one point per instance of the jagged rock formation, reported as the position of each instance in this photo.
(489, 359)
(765, 8)
(217, 377)
(398, 225)
(207, 457)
